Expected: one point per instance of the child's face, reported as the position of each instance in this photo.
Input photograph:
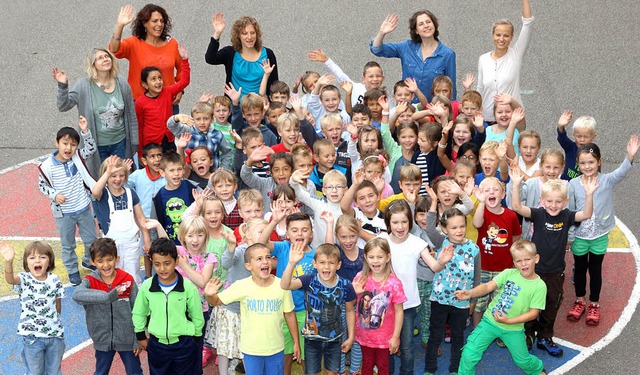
(106, 265)
(309, 116)
(489, 162)
(403, 94)
(469, 155)
(442, 89)
(172, 172)
(67, 147)
(421, 219)
(250, 210)
(273, 114)
(165, 267)
(279, 97)
(225, 190)
(552, 167)
(310, 82)
(213, 214)
(194, 242)
(405, 116)
(303, 163)
(444, 195)
(407, 139)
(377, 260)
(368, 141)
(456, 229)
(281, 172)
(367, 201)
(347, 238)
(462, 175)
(588, 164)
(360, 120)
(289, 135)
(117, 179)
(285, 203)
(254, 233)
(300, 231)
(253, 116)
(38, 264)
(326, 266)
(253, 144)
(583, 136)
(373, 171)
(529, 149)
(553, 202)
(260, 265)
(469, 109)
(330, 100)
(153, 160)
(203, 121)
(399, 225)
(493, 194)
(154, 83)
(375, 108)
(372, 77)
(461, 134)
(333, 189)
(221, 113)
(424, 143)
(201, 162)
(326, 158)
(525, 263)
(333, 132)
(503, 114)
(410, 187)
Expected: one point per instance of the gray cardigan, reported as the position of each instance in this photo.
(80, 95)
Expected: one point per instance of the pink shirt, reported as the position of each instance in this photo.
(197, 262)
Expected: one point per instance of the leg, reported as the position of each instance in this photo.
(439, 314)
(424, 310)
(131, 363)
(477, 343)
(87, 227)
(252, 364)
(104, 361)
(67, 228)
(547, 319)
(130, 259)
(118, 149)
(529, 363)
(33, 354)
(332, 355)
(580, 279)
(595, 276)
(288, 342)
(160, 357)
(313, 359)
(356, 358)
(274, 364)
(458, 322)
(103, 151)
(382, 361)
(186, 356)
(368, 360)
(406, 342)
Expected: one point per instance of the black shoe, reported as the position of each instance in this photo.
(240, 368)
(75, 279)
(88, 266)
(530, 340)
(550, 347)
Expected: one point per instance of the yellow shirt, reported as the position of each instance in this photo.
(383, 204)
(472, 232)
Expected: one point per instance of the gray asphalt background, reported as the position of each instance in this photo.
(583, 56)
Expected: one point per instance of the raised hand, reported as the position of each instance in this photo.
(326, 79)
(412, 85)
(296, 103)
(632, 147)
(219, 24)
(501, 150)
(128, 163)
(297, 252)
(212, 287)
(317, 55)
(468, 80)
(516, 175)
(112, 162)
(267, 67)
(184, 119)
(8, 253)
(83, 124)
(296, 85)
(380, 183)
(299, 176)
(236, 138)
(478, 120)
(358, 284)
(384, 102)
(447, 128)
(152, 224)
(232, 93)
(206, 97)
(389, 24)
(261, 153)
(277, 212)
(454, 188)
(231, 238)
(352, 129)
(183, 51)
(468, 186)
(435, 109)
(327, 217)
(502, 98)
(590, 185)
(347, 86)
(402, 107)
(431, 192)
(200, 195)
(462, 295)
(59, 75)
(358, 177)
(565, 118)
(446, 254)
(517, 115)
(125, 16)
(479, 194)
(183, 141)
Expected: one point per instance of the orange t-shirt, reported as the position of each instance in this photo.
(142, 54)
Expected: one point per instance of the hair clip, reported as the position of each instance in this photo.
(591, 151)
(187, 157)
(379, 157)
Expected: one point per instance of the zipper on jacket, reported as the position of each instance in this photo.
(166, 310)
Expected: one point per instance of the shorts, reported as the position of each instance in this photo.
(315, 350)
(597, 246)
(483, 302)
(301, 317)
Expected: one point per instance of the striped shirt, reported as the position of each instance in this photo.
(66, 180)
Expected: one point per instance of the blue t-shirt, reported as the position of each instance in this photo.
(169, 206)
(457, 274)
(119, 203)
(305, 266)
(350, 268)
(248, 74)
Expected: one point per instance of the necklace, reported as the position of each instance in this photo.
(105, 86)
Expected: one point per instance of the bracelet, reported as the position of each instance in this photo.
(113, 36)
(354, 137)
(440, 145)
(385, 113)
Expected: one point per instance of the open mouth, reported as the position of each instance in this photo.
(487, 170)
(37, 268)
(265, 270)
(202, 170)
(492, 200)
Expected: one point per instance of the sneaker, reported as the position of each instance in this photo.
(88, 266)
(550, 347)
(500, 343)
(593, 314)
(75, 279)
(447, 334)
(576, 311)
(207, 353)
(529, 340)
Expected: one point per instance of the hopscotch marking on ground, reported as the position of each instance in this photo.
(37, 160)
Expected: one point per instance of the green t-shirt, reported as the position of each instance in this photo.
(516, 295)
(226, 131)
(108, 115)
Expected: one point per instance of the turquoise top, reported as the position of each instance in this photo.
(247, 74)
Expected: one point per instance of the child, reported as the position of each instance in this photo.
(410, 182)
(493, 162)
(498, 228)
(522, 296)
(251, 140)
(379, 315)
(284, 197)
(202, 134)
(401, 152)
(289, 132)
(299, 234)
(507, 118)
(364, 194)
(326, 293)
(168, 297)
(108, 295)
(250, 205)
(63, 178)
(406, 249)
(303, 161)
(155, 107)
(224, 186)
(442, 86)
(198, 163)
(41, 294)
(332, 129)
(364, 140)
(325, 98)
(308, 81)
(528, 161)
(426, 159)
(262, 307)
(280, 166)
(465, 265)
(221, 113)
(120, 215)
(275, 110)
(592, 236)
(463, 174)
(371, 100)
(324, 153)
(462, 131)
(471, 105)
(584, 131)
(252, 111)
(279, 93)
(450, 195)
(374, 165)
(551, 225)
(172, 200)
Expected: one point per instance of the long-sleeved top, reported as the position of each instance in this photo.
(213, 140)
(238, 124)
(318, 205)
(503, 75)
(441, 62)
(317, 111)
(571, 169)
(357, 93)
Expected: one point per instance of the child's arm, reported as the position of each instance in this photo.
(200, 279)
(437, 264)
(392, 147)
(436, 237)
(328, 218)
(565, 142)
(466, 207)
(479, 291)
(268, 69)
(590, 186)
(442, 148)
(347, 200)
(501, 152)
(84, 295)
(347, 86)
(516, 204)
(277, 214)
(98, 188)
(246, 173)
(516, 117)
(141, 221)
(394, 342)
(155, 224)
(185, 79)
(413, 87)
(297, 179)
(292, 324)
(211, 291)
(319, 55)
(501, 317)
(295, 255)
(180, 123)
(478, 216)
(226, 152)
(351, 326)
(89, 147)
(182, 142)
(8, 253)
(400, 109)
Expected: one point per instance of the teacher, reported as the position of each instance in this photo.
(424, 56)
(499, 70)
(243, 60)
(149, 45)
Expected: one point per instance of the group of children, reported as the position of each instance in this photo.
(301, 228)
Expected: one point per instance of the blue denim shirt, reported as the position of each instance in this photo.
(441, 62)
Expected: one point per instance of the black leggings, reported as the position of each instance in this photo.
(592, 263)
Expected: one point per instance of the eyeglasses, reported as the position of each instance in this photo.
(103, 57)
(333, 188)
(470, 157)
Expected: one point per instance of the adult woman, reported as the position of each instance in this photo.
(424, 56)
(149, 45)
(499, 70)
(243, 60)
(105, 100)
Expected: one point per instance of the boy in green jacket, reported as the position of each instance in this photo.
(173, 309)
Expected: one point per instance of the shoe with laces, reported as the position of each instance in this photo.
(207, 353)
(576, 311)
(550, 347)
(530, 341)
(447, 334)
(593, 314)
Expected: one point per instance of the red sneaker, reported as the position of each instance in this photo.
(207, 353)
(593, 314)
(576, 311)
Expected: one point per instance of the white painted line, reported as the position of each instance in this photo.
(569, 344)
(20, 238)
(77, 348)
(625, 316)
(618, 250)
(8, 298)
(37, 160)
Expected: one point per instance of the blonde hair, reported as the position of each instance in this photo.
(492, 180)
(500, 23)
(252, 101)
(530, 134)
(328, 249)
(193, 224)
(248, 196)
(349, 223)
(300, 151)
(90, 68)
(489, 146)
(586, 123)
(119, 164)
(330, 118)
(202, 108)
(212, 198)
(335, 175)
(222, 175)
(523, 245)
(552, 153)
(557, 185)
(249, 226)
(289, 118)
(410, 172)
(382, 244)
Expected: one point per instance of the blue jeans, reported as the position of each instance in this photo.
(316, 350)
(117, 149)
(264, 365)
(67, 227)
(104, 360)
(406, 344)
(43, 355)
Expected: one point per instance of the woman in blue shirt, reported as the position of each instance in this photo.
(423, 56)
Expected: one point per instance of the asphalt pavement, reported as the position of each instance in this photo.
(583, 56)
